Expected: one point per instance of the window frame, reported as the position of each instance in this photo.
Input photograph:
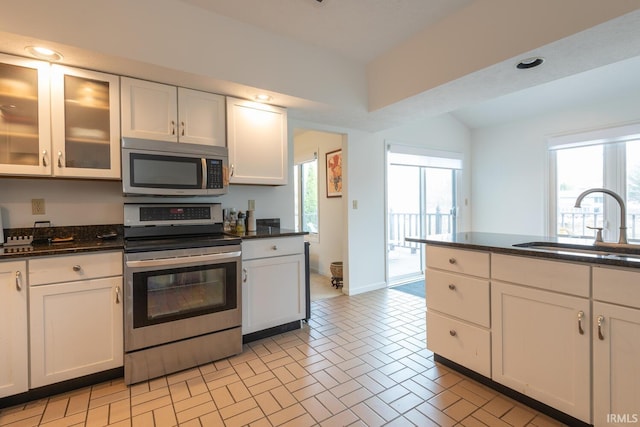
(299, 197)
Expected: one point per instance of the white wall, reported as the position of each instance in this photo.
(510, 164)
(327, 248)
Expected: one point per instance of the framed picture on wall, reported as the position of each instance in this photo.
(334, 173)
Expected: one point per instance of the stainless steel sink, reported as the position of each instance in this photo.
(624, 253)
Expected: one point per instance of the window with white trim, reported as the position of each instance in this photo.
(607, 158)
(306, 193)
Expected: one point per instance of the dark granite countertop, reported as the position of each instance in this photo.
(504, 243)
(265, 232)
(85, 239)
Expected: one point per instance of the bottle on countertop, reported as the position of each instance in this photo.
(240, 228)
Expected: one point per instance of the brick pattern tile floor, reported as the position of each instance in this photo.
(361, 361)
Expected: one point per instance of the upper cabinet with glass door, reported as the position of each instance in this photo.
(168, 113)
(85, 123)
(25, 137)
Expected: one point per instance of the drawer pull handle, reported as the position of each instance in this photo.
(453, 333)
(18, 280)
(117, 294)
(274, 247)
(77, 268)
(580, 318)
(452, 286)
(600, 323)
(452, 260)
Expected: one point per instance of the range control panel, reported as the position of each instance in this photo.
(136, 214)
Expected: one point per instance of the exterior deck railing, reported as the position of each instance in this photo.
(575, 224)
(415, 224)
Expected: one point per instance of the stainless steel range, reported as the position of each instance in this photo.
(182, 289)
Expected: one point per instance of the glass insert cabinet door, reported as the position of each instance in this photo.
(85, 117)
(25, 137)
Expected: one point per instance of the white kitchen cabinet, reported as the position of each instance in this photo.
(541, 339)
(76, 316)
(458, 315)
(14, 348)
(85, 123)
(168, 113)
(25, 135)
(273, 282)
(616, 346)
(257, 141)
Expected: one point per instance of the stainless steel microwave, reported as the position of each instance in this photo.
(159, 168)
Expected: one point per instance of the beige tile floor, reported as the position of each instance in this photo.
(361, 361)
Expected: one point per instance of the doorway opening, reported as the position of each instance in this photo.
(421, 201)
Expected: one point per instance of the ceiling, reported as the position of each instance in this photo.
(357, 29)
(361, 30)
(592, 65)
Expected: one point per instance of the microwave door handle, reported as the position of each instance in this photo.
(204, 173)
(182, 260)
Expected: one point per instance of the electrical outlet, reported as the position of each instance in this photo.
(37, 207)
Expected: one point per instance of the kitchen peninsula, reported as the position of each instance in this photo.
(550, 321)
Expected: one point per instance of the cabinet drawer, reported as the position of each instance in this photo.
(270, 247)
(67, 268)
(554, 276)
(474, 263)
(460, 342)
(459, 296)
(617, 286)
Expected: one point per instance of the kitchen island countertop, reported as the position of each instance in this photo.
(504, 243)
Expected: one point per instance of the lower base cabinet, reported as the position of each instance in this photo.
(75, 329)
(273, 283)
(14, 346)
(541, 346)
(75, 316)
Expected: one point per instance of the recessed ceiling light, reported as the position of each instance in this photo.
(45, 53)
(263, 97)
(529, 63)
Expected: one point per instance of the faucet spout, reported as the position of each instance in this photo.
(623, 210)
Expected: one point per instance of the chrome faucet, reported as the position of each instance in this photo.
(623, 210)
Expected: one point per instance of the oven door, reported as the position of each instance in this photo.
(178, 294)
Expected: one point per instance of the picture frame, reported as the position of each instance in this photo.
(334, 173)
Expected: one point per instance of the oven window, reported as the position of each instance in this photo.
(165, 295)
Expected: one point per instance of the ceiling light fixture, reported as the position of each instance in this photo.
(45, 53)
(525, 64)
(263, 97)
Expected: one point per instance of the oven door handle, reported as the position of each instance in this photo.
(182, 260)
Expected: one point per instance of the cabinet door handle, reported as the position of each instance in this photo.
(232, 170)
(580, 318)
(117, 294)
(453, 333)
(182, 125)
(600, 324)
(173, 127)
(19, 280)
(452, 286)
(59, 159)
(77, 268)
(44, 158)
(245, 275)
(452, 260)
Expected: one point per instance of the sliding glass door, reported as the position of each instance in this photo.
(421, 201)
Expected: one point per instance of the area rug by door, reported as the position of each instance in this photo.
(413, 288)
